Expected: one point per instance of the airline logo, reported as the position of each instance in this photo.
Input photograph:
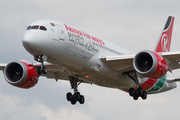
(165, 45)
(84, 34)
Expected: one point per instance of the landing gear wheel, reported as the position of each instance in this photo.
(39, 70)
(44, 70)
(135, 97)
(82, 99)
(73, 102)
(41, 59)
(69, 96)
(140, 91)
(144, 95)
(77, 96)
(131, 92)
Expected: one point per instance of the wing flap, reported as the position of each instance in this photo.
(57, 75)
(2, 66)
(171, 55)
(121, 63)
(172, 58)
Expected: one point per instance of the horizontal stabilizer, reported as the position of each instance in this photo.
(171, 80)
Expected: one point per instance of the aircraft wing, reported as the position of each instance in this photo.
(2, 66)
(120, 63)
(54, 71)
(173, 59)
(124, 63)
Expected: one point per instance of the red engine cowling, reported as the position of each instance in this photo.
(150, 64)
(21, 74)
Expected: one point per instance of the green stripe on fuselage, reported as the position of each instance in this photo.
(157, 86)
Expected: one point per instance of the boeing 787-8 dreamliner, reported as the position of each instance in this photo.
(63, 52)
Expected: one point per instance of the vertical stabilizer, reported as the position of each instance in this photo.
(164, 42)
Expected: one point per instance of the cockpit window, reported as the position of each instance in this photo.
(42, 28)
(28, 28)
(35, 27)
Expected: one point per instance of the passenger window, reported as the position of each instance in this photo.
(35, 27)
(28, 28)
(42, 28)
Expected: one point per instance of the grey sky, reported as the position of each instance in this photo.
(132, 24)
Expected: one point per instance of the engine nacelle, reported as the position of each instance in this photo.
(150, 64)
(21, 74)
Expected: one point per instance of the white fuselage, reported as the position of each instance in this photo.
(77, 52)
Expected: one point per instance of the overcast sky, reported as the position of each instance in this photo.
(132, 24)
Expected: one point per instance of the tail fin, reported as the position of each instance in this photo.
(164, 42)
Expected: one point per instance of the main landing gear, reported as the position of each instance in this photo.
(73, 98)
(139, 92)
(41, 69)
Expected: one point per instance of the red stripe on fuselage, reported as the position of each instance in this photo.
(149, 83)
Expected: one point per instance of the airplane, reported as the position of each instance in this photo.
(63, 52)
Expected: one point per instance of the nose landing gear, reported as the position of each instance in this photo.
(41, 69)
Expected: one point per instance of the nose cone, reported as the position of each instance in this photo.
(29, 40)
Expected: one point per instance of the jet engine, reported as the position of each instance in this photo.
(150, 64)
(21, 74)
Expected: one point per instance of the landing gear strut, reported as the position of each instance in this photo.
(41, 69)
(139, 92)
(73, 98)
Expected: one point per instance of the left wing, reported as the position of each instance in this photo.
(172, 58)
(124, 63)
(120, 63)
(2, 66)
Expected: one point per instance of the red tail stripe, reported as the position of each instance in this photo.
(165, 39)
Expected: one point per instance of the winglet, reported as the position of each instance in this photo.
(164, 42)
